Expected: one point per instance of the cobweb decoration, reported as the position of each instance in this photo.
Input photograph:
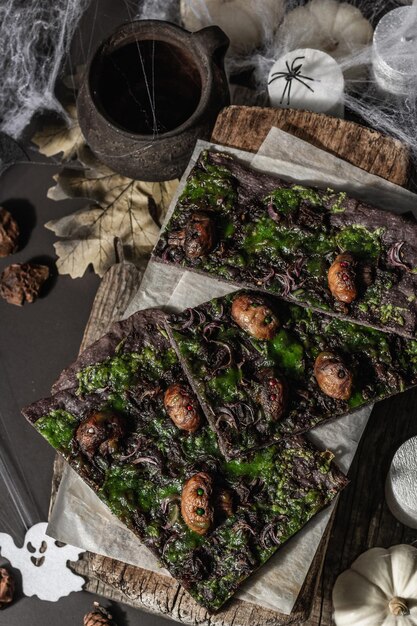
(392, 113)
(35, 36)
(158, 10)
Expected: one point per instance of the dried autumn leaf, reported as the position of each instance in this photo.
(61, 137)
(121, 207)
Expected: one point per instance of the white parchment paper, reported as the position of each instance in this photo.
(81, 519)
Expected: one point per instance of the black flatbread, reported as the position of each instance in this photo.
(229, 369)
(281, 238)
(273, 492)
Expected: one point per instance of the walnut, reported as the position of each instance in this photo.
(100, 432)
(181, 408)
(9, 233)
(273, 395)
(7, 586)
(341, 278)
(22, 283)
(199, 235)
(333, 377)
(254, 316)
(196, 507)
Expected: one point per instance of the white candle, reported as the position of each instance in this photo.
(401, 484)
(394, 52)
(307, 79)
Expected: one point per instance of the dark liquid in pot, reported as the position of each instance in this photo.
(147, 87)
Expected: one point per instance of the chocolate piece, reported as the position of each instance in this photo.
(9, 233)
(257, 391)
(235, 523)
(283, 238)
(22, 283)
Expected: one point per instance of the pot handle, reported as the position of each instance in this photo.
(213, 41)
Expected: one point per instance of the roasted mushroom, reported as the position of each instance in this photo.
(333, 377)
(200, 235)
(196, 507)
(181, 408)
(341, 278)
(100, 432)
(224, 503)
(254, 316)
(273, 395)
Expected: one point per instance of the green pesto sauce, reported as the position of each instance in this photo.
(287, 353)
(360, 241)
(355, 400)
(411, 351)
(179, 550)
(58, 429)
(335, 201)
(118, 372)
(120, 490)
(127, 488)
(354, 338)
(261, 464)
(225, 385)
(374, 295)
(213, 185)
(285, 201)
(267, 237)
(390, 313)
(204, 441)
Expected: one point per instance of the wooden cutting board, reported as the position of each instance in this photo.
(246, 128)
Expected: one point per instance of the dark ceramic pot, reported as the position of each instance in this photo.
(150, 91)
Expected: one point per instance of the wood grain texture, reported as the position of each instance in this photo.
(246, 128)
(362, 519)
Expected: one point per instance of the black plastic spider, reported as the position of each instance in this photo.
(294, 73)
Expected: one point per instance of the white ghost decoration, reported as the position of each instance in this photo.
(43, 564)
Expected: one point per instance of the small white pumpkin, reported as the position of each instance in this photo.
(339, 29)
(380, 589)
(243, 21)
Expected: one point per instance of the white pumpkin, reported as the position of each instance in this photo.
(244, 21)
(380, 589)
(339, 29)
